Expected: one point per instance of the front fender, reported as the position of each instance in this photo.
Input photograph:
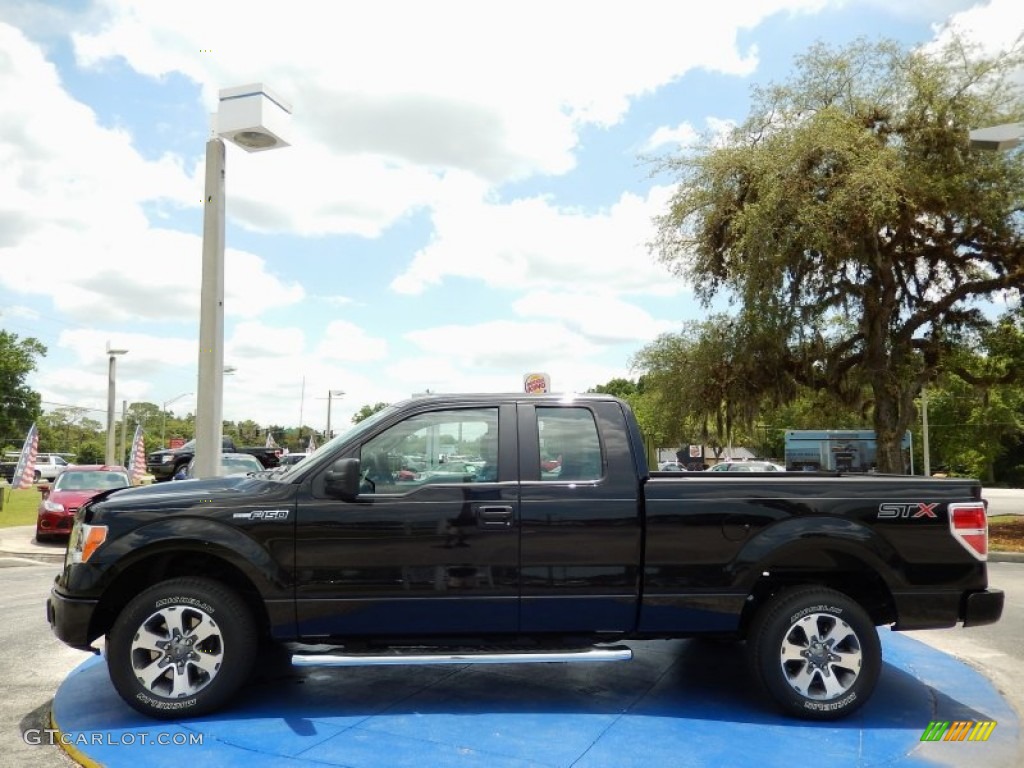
(268, 567)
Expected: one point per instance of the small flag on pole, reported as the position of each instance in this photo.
(137, 458)
(25, 472)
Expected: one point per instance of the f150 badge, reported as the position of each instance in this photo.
(262, 514)
(893, 510)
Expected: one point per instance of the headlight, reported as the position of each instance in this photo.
(52, 506)
(166, 459)
(85, 540)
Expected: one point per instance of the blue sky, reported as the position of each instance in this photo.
(464, 200)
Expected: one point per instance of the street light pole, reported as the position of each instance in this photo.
(210, 388)
(111, 451)
(331, 393)
(251, 117)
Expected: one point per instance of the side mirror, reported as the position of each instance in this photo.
(342, 479)
(44, 489)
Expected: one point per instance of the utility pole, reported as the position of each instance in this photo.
(924, 432)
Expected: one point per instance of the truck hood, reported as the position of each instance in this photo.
(194, 495)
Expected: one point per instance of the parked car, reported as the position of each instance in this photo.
(186, 582)
(72, 488)
(289, 460)
(165, 465)
(47, 467)
(230, 464)
(746, 466)
(671, 466)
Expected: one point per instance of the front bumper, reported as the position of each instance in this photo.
(70, 618)
(161, 471)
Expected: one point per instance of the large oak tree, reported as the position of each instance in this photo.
(849, 220)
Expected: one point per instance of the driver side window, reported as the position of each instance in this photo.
(451, 446)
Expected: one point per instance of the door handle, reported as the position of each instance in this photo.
(494, 516)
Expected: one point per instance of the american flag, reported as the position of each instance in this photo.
(137, 458)
(25, 472)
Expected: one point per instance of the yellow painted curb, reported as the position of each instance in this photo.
(72, 751)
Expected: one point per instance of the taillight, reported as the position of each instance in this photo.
(969, 524)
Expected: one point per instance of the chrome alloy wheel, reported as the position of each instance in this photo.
(821, 657)
(177, 651)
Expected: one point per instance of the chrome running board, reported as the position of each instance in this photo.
(613, 653)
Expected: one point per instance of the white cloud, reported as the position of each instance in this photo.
(79, 212)
(441, 84)
(601, 318)
(995, 25)
(531, 243)
(503, 345)
(107, 276)
(23, 313)
(346, 341)
(681, 135)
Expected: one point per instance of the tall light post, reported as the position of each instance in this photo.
(331, 393)
(111, 452)
(253, 118)
(163, 422)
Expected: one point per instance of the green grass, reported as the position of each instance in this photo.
(1001, 519)
(20, 507)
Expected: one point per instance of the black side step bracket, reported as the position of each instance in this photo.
(399, 658)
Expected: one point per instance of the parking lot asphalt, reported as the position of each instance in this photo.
(678, 703)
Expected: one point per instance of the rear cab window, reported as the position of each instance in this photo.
(570, 449)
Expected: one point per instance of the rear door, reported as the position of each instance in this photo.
(580, 518)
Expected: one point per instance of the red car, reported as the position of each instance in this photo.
(72, 488)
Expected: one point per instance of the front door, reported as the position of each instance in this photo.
(431, 544)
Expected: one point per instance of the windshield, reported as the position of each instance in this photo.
(352, 433)
(233, 464)
(90, 481)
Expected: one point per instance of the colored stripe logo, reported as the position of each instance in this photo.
(958, 730)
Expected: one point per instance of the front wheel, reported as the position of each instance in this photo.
(181, 648)
(816, 652)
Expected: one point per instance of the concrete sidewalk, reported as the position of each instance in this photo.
(19, 543)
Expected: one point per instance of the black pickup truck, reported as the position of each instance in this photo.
(164, 465)
(512, 528)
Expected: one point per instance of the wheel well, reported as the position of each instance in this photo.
(846, 573)
(169, 565)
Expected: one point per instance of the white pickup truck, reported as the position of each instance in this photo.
(48, 466)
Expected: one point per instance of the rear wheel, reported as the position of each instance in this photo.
(816, 652)
(181, 648)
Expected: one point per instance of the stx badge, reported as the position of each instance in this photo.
(892, 510)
